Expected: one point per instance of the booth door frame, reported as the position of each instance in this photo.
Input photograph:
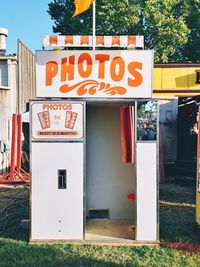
(104, 101)
(154, 237)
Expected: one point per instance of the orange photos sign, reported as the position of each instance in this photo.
(55, 120)
(94, 74)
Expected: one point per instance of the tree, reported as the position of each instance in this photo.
(165, 24)
(113, 17)
(191, 50)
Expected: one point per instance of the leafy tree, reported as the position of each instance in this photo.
(166, 25)
(163, 27)
(113, 17)
(191, 50)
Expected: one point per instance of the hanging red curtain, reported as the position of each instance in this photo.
(127, 133)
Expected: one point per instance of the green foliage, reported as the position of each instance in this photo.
(191, 50)
(163, 26)
(113, 17)
(18, 253)
(170, 27)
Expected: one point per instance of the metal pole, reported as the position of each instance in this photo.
(13, 147)
(19, 141)
(94, 26)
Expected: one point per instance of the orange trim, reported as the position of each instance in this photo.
(99, 40)
(132, 40)
(115, 40)
(53, 40)
(69, 40)
(84, 40)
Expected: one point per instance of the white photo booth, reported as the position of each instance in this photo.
(84, 188)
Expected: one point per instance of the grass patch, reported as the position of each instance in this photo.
(177, 224)
(18, 253)
(177, 213)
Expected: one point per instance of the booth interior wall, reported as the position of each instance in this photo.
(108, 180)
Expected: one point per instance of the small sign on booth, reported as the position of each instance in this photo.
(57, 121)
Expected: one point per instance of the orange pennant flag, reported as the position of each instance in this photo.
(81, 6)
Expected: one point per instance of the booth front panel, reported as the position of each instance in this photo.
(57, 191)
(146, 190)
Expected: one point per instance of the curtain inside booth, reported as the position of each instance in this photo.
(127, 133)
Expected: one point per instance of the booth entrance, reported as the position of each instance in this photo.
(110, 215)
(94, 171)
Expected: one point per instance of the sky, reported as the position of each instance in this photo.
(26, 20)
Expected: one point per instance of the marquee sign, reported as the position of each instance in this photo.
(53, 120)
(94, 74)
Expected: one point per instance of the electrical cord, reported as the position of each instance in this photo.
(15, 208)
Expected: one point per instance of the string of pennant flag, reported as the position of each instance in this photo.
(128, 41)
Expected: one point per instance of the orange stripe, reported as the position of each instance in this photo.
(84, 40)
(53, 40)
(99, 40)
(69, 40)
(115, 40)
(132, 40)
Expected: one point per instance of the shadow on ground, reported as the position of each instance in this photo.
(177, 213)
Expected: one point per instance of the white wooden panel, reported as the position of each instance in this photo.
(57, 213)
(26, 76)
(146, 192)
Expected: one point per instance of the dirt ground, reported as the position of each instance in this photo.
(177, 213)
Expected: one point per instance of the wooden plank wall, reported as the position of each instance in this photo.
(26, 76)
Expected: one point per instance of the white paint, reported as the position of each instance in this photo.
(94, 24)
(93, 82)
(49, 205)
(109, 181)
(146, 185)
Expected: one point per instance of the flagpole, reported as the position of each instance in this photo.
(94, 26)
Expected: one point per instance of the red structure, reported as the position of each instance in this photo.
(16, 175)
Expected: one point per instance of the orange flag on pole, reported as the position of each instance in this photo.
(81, 6)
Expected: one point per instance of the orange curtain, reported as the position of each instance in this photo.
(81, 6)
(127, 133)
